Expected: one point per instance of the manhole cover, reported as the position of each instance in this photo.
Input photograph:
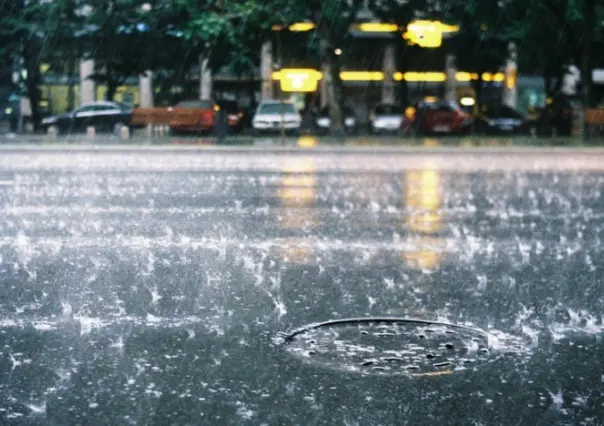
(392, 346)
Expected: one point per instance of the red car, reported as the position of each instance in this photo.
(444, 117)
(193, 116)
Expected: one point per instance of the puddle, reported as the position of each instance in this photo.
(397, 346)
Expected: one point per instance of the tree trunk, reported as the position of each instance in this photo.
(589, 26)
(71, 69)
(30, 56)
(112, 86)
(334, 89)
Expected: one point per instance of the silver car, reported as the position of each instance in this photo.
(386, 118)
(271, 115)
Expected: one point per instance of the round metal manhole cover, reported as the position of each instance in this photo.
(393, 346)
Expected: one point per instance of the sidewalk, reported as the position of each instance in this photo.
(303, 143)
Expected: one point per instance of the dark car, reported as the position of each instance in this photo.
(500, 119)
(555, 119)
(323, 122)
(104, 116)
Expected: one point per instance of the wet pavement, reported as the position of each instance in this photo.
(142, 287)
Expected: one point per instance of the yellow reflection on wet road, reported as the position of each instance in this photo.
(431, 143)
(307, 141)
(298, 192)
(297, 250)
(423, 198)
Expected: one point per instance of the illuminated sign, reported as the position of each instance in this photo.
(298, 79)
(427, 34)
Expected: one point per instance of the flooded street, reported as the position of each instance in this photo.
(156, 287)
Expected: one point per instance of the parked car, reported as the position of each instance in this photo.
(323, 122)
(271, 115)
(442, 117)
(555, 119)
(236, 116)
(104, 116)
(197, 116)
(500, 119)
(386, 118)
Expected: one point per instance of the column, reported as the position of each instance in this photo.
(389, 68)
(87, 85)
(510, 89)
(266, 70)
(205, 79)
(451, 79)
(146, 90)
(323, 87)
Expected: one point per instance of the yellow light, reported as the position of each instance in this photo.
(277, 27)
(487, 76)
(216, 108)
(361, 76)
(468, 101)
(430, 99)
(463, 76)
(425, 76)
(44, 68)
(398, 76)
(302, 26)
(377, 27)
(428, 33)
(511, 79)
(410, 112)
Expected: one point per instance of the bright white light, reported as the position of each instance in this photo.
(146, 7)
(338, 51)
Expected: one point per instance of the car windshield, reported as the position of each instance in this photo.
(385, 109)
(196, 104)
(276, 108)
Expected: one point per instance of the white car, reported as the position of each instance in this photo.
(386, 118)
(270, 115)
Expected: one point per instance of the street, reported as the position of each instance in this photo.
(154, 286)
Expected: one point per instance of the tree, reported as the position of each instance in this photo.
(123, 38)
(481, 44)
(333, 19)
(401, 14)
(23, 37)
